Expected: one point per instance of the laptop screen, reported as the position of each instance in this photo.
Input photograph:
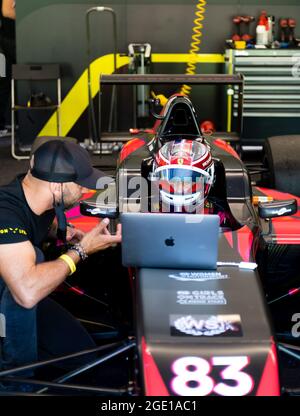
(180, 241)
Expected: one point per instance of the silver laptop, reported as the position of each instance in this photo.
(177, 241)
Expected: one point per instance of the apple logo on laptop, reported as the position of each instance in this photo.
(170, 242)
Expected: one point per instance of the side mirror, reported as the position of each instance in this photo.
(277, 209)
(102, 204)
(91, 209)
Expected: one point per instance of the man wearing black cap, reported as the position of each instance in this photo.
(60, 173)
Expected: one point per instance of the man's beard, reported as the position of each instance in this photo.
(70, 200)
(69, 204)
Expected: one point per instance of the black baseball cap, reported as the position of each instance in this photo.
(65, 161)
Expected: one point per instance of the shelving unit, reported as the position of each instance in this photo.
(271, 90)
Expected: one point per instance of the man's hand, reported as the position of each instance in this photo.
(74, 235)
(99, 238)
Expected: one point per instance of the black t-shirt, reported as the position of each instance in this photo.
(18, 222)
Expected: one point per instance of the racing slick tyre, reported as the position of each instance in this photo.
(282, 157)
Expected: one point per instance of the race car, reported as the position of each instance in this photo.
(206, 333)
(188, 332)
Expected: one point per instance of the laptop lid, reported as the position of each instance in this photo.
(180, 241)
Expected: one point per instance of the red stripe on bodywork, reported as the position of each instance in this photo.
(245, 240)
(75, 211)
(269, 382)
(85, 224)
(221, 144)
(82, 222)
(229, 238)
(154, 384)
(130, 147)
(157, 123)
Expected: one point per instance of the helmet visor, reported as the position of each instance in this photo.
(181, 180)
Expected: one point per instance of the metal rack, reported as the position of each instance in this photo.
(228, 81)
(33, 72)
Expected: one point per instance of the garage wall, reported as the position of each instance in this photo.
(54, 31)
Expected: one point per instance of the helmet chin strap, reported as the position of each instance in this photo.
(182, 200)
(59, 208)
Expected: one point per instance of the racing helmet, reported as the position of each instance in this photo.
(184, 170)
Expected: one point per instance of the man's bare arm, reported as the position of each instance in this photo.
(8, 9)
(28, 282)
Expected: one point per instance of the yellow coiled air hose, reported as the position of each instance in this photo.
(194, 49)
(195, 44)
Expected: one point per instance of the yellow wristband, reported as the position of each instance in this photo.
(69, 261)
